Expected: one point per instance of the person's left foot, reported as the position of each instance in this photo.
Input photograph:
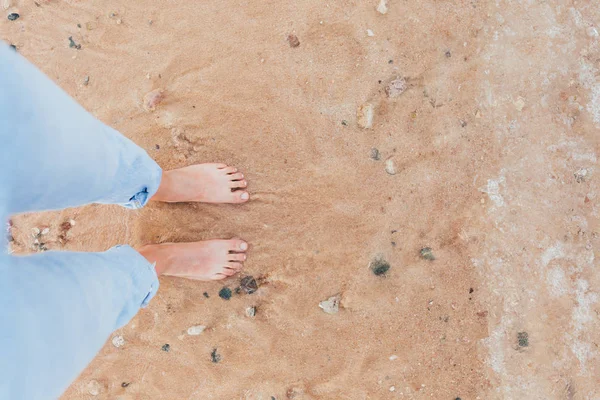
(206, 183)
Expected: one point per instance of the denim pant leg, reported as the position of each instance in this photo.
(58, 308)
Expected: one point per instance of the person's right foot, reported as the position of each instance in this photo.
(206, 261)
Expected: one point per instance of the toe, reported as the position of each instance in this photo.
(235, 266)
(238, 184)
(228, 272)
(218, 277)
(220, 166)
(241, 196)
(230, 170)
(237, 176)
(237, 245)
(237, 257)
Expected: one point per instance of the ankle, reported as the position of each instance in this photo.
(165, 187)
(153, 254)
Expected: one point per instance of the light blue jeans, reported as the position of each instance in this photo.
(58, 308)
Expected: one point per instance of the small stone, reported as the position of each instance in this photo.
(293, 40)
(73, 45)
(6, 4)
(375, 155)
(390, 166)
(86, 81)
(379, 267)
(119, 21)
(396, 88)
(35, 231)
(382, 7)
(249, 284)
(251, 312)
(91, 25)
(45, 231)
(448, 54)
(166, 347)
(580, 175)
(370, 33)
(125, 384)
(427, 254)
(331, 305)
(393, 357)
(196, 330)
(205, 294)
(364, 115)
(225, 293)
(94, 388)
(462, 123)
(153, 99)
(344, 122)
(523, 339)
(12, 46)
(392, 388)
(157, 147)
(214, 356)
(592, 32)
(519, 104)
(13, 16)
(118, 341)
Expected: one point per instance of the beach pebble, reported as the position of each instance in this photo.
(35, 231)
(6, 4)
(393, 357)
(45, 231)
(396, 88)
(379, 267)
(118, 341)
(364, 115)
(519, 104)
(392, 388)
(427, 254)
(166, 347)
(370, 33)
(592, 32)
(390, 166)
(225, 293)
(94, 388)
(382, 7)
(331, 305)
(251, 312)
(196, 330)
(375, 155)
(580, 175)
(153, 99)
(13, 16)
(293, 40)
(249, 284)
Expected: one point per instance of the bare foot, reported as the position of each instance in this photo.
(205, 261)
(206, 183)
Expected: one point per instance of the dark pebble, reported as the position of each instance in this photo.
(523, 338)
(166, 347)
(225, 293)
(238, 290)
(344, 122)
(380, 267)
(12, 46)
(13, 16)
(448, 54)
(471, 290)
(293, 40)
(375, 154)
(72, 43)
(394, 244)
(249, 284)
(214, 356)
(157, 147)
(390, 61)
(125, 384)
(205, 294)
(458, 398)
(427, 254)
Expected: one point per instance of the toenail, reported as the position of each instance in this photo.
(244, 246)
(245, 196)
